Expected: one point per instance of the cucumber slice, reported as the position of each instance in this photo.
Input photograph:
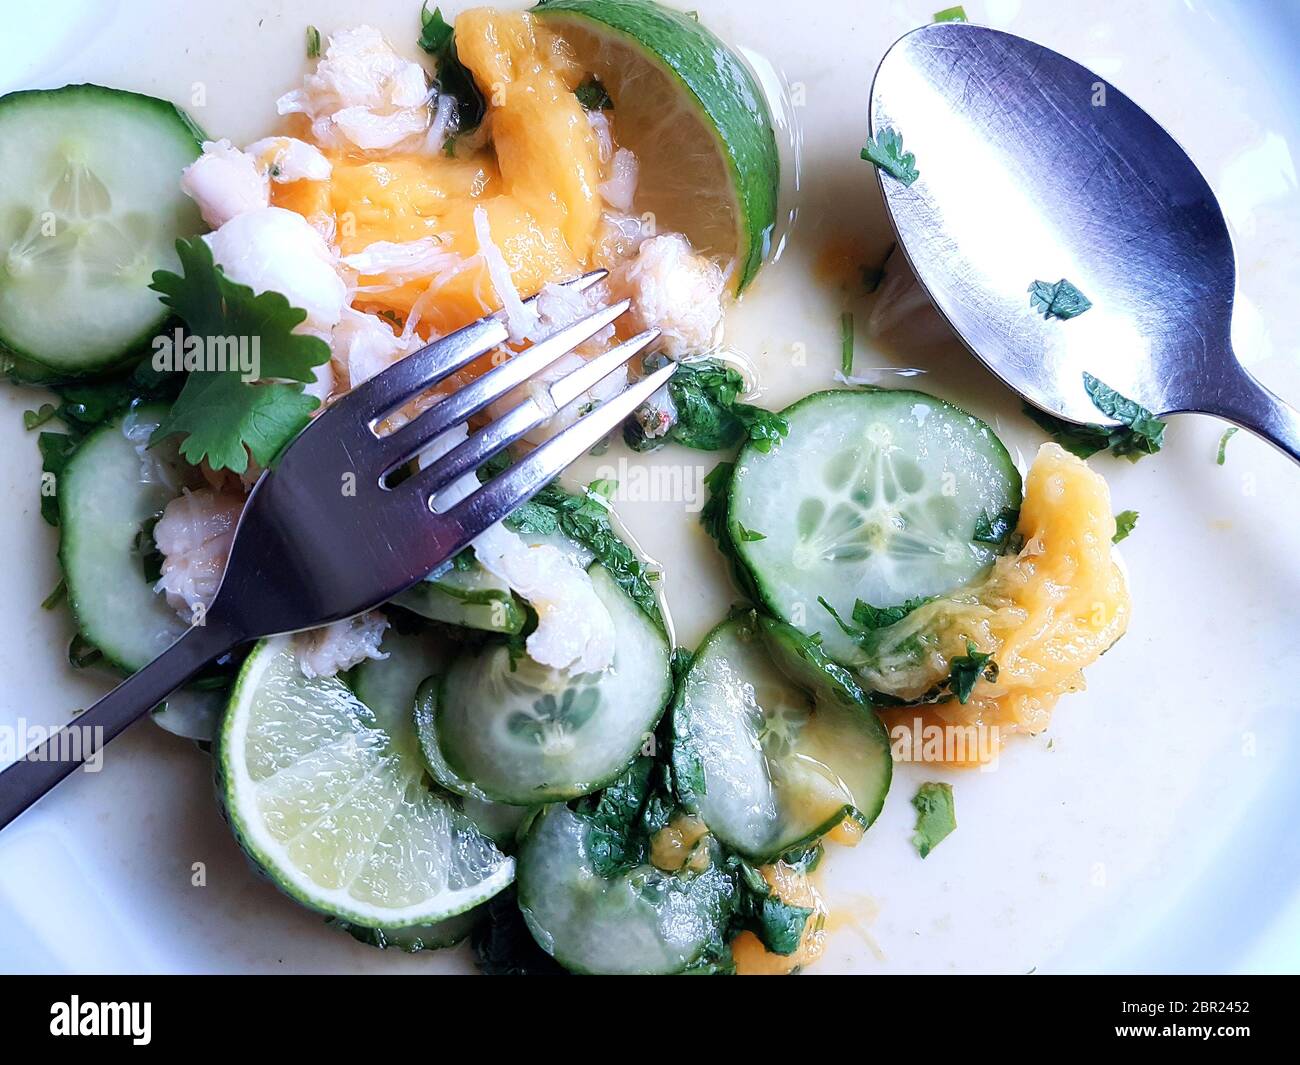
(390, 687)
(332, 802)
(192, 713)
(773, 744)
(471, 598)
(113, 484)
(516, 732)
(643, 922)
(90, 207)
(873, 495)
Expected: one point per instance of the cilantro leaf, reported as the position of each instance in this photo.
(454, 79)
(968, 668)
(951, 14)
(313, 42)
(592, 95)
(1125, 522)
(846, 343)
(996, 530)
(936, 816)
(708, 414)
(867, 618)
(1228, 434)
(1061, 300)
(56, 449)
(749, 536)
(221, 416)
(1147, 432)
(1141, 433)
(885, 152)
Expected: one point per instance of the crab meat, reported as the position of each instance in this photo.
(274, 250)
(194, 536)
(363, 95)
(224, 182)
(287, 159)
(674, 290)
(329, 650)
(574, 630)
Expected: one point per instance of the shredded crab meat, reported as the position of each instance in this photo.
(274, 250)
(574, 630)
(362, 345)
(287, 159)
(401, 261)
(674, 290)
(224, 182)
(329, 650)
(364, 95)
(521, 320)
(538, 387)
(194, 536)
(619, 189)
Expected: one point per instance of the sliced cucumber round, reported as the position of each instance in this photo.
(90, 207)
(333, 802)
(391, 686)
(773, 743)
(642, 922)
(472, 598)
(112, 486)
(509, 730)
(873, 496)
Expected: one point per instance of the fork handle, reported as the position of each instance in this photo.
(27, 779)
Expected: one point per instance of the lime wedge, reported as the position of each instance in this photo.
(693, 113)
(330, 799)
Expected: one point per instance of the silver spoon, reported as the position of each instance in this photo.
(1033, 168)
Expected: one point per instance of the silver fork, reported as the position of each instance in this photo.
(325, 535)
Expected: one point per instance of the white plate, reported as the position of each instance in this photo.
(1151, 828)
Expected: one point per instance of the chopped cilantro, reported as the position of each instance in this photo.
(967, 669)
(57, 596)
(936, 816)
(222, 417)
(709, 414)
(1125, 522)
(33, 419)
(867, 618)
(1228, 434)
(56, 449)
(1140, 434)
(749, 536)
(951, 14)
(996, 530)
(778, 925)
(886, 153)
(846, 343)
(592, 95)
(454, 79)
(1060, 300)
(313, 42)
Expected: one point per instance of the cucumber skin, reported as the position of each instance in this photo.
(755, 584)
(67, 527)
(22, 366)
(629, 18)
(690, 801)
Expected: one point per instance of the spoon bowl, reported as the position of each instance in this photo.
(1034, 168)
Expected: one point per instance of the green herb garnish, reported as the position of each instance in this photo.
(846, 343)
(936, 816)
(1141, 433)
(996, 530)
(969, 668)
(1228, 434)
(951, 14)
(454, 79)
(221, 417)
(592, 95)
(886, 153)
(1061, 300)
(1125, 522)
(313, 42)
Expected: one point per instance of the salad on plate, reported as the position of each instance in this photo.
(515, 751)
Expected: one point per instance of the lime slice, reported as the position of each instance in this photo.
(331, 800)
(694, 115)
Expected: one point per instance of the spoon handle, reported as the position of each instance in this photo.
(1246, 402)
